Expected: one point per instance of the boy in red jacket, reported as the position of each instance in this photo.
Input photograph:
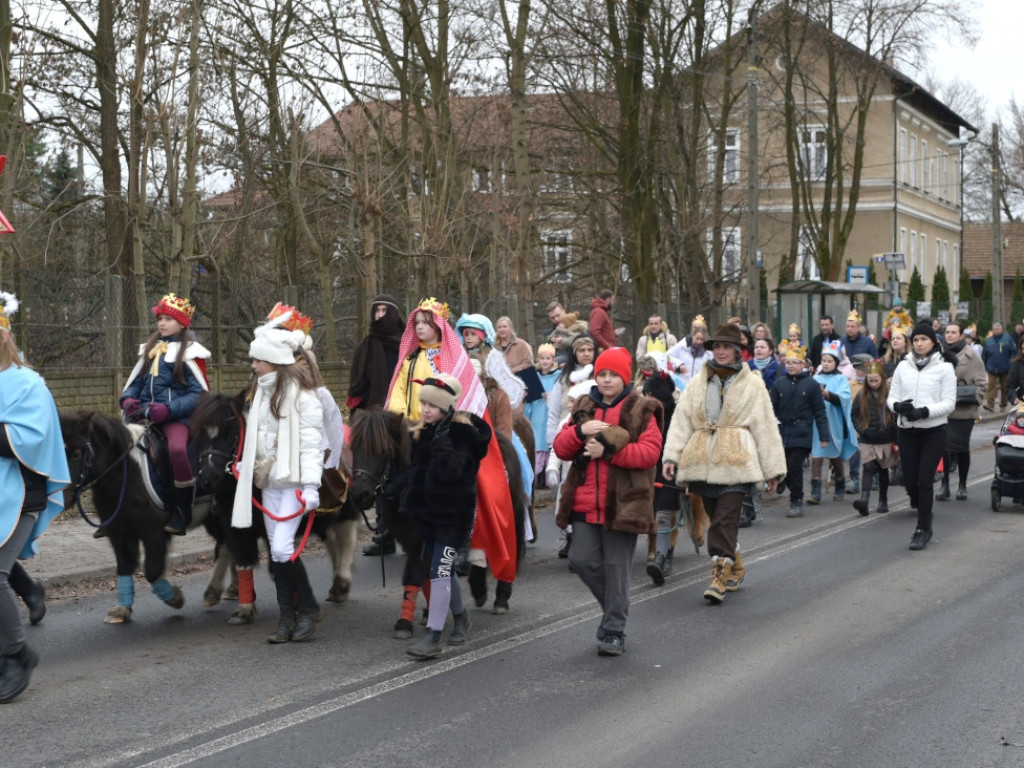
(613, 439)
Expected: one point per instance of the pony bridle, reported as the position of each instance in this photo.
(378, 482)
(228, 457)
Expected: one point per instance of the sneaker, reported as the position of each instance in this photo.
(612, 645)
(920, 539)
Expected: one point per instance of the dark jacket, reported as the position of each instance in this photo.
(997, 353)
(180, 397)
(770, 373)
(798, 404)
(881, 428)
(814, 350)
(1015, 381)
(862, 345)
(440, 486)
(616, 490)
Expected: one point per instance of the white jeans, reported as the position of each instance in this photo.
(282, 501)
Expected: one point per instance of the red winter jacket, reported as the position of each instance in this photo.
(599, 326)
(617, 490)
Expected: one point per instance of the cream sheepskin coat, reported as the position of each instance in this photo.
(745, 445)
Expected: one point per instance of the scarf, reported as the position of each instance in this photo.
(287, 459)
(762, 364)
(921, 362)
(724, 371)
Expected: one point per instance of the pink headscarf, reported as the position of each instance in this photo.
(452, 360)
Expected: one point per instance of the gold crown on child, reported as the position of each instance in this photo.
(296, 320)
(437, 307)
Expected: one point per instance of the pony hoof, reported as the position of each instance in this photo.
(245, 613)
(211, 597)
(403, 630)
(119, 614)
(339, 591)
(231, 593)
(178, 601)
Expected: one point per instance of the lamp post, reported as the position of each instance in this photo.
(960, 144)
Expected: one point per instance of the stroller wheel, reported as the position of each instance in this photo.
(996, 499)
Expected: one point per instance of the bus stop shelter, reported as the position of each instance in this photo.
(804, 302)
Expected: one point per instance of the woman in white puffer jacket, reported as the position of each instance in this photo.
(922, 395)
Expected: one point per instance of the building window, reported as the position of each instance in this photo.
(945, 178)
(556, 247)
(912, 161)
(912, 256)
(806, 264)
(813, 151)
(945, 255)
(956, 260)
(903, 243)
(924, 254)
(938, 255)
(732, 252)
(902, 161)
(481, 180)
(926, 177)
(731, 161)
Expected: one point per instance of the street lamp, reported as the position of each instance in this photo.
(960, 144)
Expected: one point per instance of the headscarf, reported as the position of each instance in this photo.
(452, 359)
(376, 356)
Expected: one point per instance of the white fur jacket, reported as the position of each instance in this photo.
(306, 467)
(743, 447)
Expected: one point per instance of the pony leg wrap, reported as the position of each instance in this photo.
(125, 591)
(246, 587)
(409, 596)
(162, 588)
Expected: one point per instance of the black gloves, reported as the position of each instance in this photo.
(903, 406)
(916, 413)
(445, 424)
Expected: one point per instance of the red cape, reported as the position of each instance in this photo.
(495, 528)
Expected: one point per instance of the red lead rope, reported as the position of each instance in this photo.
(264, 510)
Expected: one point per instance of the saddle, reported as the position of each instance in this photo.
(152, 456)
(334, 483)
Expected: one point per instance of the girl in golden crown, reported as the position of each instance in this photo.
(163, 389)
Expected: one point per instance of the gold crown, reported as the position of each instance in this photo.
(794, 328)
(900, 329)
(175, 306)
(854, 315)
(296, 322)
(875, 366)
(792, 351)
(699, 320)
(437, 307)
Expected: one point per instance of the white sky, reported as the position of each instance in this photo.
(994, 64)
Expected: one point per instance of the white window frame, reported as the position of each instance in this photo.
(923, 250)
(482, 180)
(903, 155)
(732, 252)
(806, 265)
(912, 161)
(926, 176)
(731, 161)
(556, 250)
(912, 256)
(814, 150)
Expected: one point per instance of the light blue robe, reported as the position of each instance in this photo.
(537, 411)
(29, 415)
(838, 417)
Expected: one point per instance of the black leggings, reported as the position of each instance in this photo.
(963, 464)
(920, 451)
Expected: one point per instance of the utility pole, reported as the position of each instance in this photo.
(753, 244)
(997, 234)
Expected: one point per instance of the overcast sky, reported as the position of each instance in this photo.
(994, 64)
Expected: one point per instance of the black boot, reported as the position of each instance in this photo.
(382, 544)
(656, 569)
(29, 590)
(502, 593)
(861, 505)
(943, 494)
(307, 608)
(284, 580)
(181, 509)
(478, 585)
(564, 551)
(17, 669)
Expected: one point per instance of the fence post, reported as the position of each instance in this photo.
(114, 317)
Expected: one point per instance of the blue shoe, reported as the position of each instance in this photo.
(612, 645)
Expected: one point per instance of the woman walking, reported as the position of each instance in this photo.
(922, 394)
(971, 382)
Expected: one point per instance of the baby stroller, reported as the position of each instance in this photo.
(1009, 474)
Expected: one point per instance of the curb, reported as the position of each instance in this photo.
(77, 576)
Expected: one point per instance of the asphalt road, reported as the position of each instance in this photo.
(842, 648)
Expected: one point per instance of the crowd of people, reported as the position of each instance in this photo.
(718, 419)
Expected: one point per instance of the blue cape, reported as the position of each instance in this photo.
(28, 413)
(838, 416)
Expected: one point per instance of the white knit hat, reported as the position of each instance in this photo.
(275, 344)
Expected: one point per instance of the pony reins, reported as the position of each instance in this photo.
(83, 486)
(280, 519)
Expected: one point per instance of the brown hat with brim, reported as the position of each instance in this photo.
(727, 333)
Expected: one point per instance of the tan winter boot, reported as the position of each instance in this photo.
(735, 573)
(715, 593)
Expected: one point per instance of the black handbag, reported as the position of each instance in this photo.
(967, 394)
